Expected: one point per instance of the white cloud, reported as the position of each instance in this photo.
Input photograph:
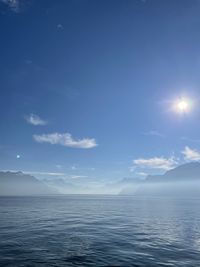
(191, 154)
(12, 4)
(35, 120)
(65, 139)
(156, 163)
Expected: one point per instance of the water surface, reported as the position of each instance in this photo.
(99, 231)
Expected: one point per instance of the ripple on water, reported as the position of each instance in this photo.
(99, 231)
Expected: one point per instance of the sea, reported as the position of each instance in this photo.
(99, 230)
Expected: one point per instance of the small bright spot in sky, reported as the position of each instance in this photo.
(18, 156)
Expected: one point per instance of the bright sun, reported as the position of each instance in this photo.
(182, 106)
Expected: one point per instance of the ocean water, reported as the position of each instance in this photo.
(99, 231)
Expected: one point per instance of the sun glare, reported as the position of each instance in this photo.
(182, 105)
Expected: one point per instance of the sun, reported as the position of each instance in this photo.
(182, 105)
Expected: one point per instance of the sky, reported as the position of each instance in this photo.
(99, 90)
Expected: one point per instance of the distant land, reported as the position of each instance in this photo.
(182, 181)
(18, 183)
(186, 172)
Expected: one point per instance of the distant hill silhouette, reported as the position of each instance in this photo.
(186, 172)
(182, 181)
(18, 183)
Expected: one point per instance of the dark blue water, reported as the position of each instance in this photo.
(99, 231)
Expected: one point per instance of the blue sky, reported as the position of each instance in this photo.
(88, 87)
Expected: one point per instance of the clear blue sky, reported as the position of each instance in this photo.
(87, 86)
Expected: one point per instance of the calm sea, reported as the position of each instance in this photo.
(99, 231)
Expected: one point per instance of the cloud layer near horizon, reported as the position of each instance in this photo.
(65, 139)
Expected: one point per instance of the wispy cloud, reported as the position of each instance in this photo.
(14, 5)
(78, 176)
(46, 173)
(132, 168)
(191, 154)
(38, 172)
(35, 120)
(74, 167)
(156, 163)
(53, 175)
(60, 27)
(65, 139)
(154, 133)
